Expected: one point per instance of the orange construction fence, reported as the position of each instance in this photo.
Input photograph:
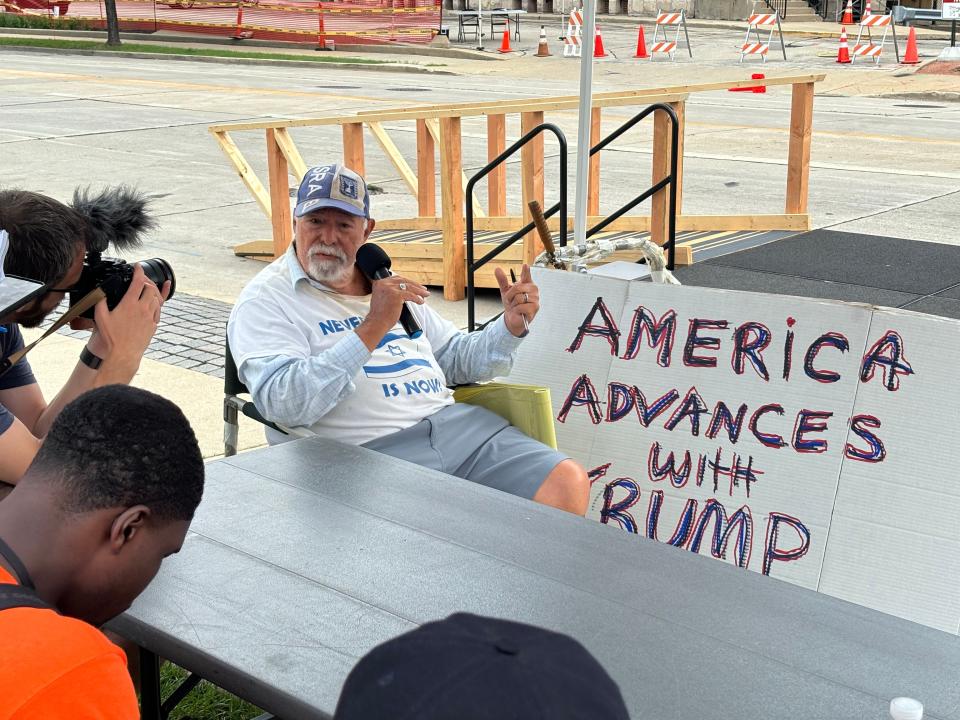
(318, 23)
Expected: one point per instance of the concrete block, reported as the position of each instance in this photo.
(724, 10)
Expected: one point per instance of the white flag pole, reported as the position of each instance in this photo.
(583, 123)
(479, 24)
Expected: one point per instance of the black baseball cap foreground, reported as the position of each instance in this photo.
(469, 667)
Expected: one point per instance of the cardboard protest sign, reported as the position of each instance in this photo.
(807, 440)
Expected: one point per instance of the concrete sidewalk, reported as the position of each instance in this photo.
(196, 393)
(183, 363)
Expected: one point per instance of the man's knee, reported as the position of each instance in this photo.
(566, 487)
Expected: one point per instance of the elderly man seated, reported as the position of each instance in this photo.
(320, 345)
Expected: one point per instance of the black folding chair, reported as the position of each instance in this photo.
(498, 21)
(233, 405)
(468, 23)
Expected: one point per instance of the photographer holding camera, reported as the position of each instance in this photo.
(52, 249)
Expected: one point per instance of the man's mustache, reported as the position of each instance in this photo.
(328, 252)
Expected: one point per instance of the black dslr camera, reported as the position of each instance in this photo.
(116, 216)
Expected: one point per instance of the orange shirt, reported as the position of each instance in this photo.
(54, 667)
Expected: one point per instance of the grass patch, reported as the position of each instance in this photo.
(170, 50)
(15, 20)
(205, 701)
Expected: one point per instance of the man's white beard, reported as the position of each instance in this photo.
(327, 264)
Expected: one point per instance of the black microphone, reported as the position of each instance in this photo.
(374, 263)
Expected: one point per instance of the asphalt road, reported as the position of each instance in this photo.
(884, 166)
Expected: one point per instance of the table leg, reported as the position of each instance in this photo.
(149, 686)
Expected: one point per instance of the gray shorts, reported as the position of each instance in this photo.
(475, 444)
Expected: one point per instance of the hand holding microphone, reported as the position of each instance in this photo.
(390, 294)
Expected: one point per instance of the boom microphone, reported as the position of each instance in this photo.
(116, 216)
(374, 263)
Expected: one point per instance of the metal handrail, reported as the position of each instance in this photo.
(858, 7)
(656, 187)
(778, 6)
(561, 207)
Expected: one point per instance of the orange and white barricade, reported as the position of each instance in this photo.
(766, 21)
(574, 37)
(870, 48)
(660, 43)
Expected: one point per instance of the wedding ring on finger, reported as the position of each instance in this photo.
(402, 286)
(526, 298)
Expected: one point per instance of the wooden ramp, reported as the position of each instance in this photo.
(417, 254)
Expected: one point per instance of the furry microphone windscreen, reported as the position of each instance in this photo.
(115, 216)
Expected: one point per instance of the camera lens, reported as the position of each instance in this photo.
(159, 270)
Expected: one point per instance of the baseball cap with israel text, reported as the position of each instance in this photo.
(332, 186)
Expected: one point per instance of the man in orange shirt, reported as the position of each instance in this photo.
(109, 495)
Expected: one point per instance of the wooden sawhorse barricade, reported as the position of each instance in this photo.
(871, 49)
(573, 39)
(659, 43)
(759, 47)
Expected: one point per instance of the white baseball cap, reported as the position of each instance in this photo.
(14, 291)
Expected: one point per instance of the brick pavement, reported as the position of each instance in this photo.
(190, 334)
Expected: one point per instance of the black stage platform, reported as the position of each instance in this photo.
(894, 272)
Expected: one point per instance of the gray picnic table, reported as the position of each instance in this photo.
(304, 556)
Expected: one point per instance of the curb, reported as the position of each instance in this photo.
(706, 23)
(162, 37)
(941, 95)
(394, 68)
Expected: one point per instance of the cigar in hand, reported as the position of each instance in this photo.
(545, 237)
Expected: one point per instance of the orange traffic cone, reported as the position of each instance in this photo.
(598, 51)
(911, 57)
(843, 54)
(847, 18)
(505, 43)
(867, 12)
(240, 33)
(543, 50)
(641, 45)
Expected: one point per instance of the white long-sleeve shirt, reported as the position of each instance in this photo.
(296, 351)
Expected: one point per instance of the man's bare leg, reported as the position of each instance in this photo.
(567, 487)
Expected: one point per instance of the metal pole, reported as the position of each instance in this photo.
(480, 24)
(583, 122)
(149, 686)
